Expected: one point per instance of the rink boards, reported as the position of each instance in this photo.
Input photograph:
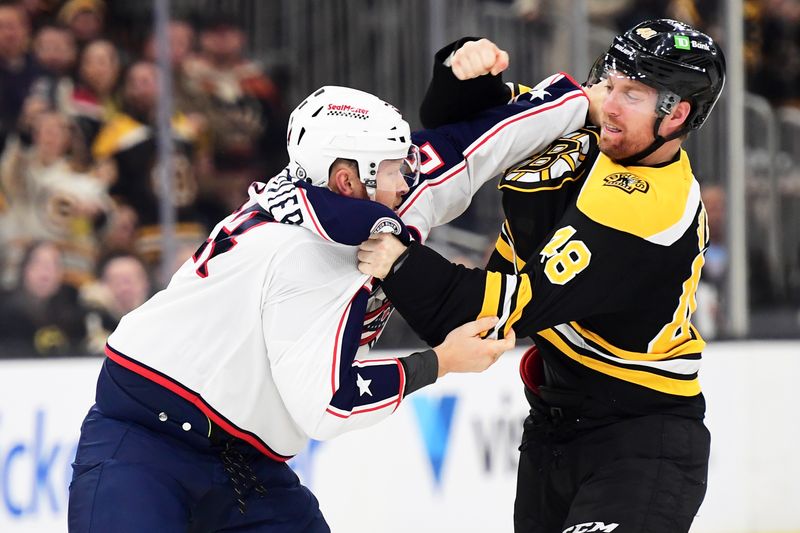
(446, 461)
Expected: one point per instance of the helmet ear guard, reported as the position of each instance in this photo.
(667, 100)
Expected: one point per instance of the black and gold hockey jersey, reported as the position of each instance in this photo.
(130, 144)
(597, 262)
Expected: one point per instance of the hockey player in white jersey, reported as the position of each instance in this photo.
(259, 342)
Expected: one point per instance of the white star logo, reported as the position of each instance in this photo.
(539, 93)
(363, 385)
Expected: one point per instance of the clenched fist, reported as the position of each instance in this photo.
(476, 58)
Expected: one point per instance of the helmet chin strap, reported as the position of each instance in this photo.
(658, 142)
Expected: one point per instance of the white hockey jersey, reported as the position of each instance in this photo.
(265, 328)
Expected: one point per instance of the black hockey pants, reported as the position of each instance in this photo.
(583, 470)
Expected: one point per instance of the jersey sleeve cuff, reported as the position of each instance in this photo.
(421, 368)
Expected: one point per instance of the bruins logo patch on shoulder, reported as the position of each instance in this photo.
(561, 162)
(627, 182)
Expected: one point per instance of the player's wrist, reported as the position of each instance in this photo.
(442, 356)
(398, 263)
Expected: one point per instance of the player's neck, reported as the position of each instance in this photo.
(667, 153)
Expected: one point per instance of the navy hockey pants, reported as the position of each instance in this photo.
(136, 472)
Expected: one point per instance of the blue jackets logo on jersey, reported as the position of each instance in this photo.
(435, 416)
(386, 225)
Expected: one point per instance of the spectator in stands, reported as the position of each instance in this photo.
(42, 316)
(49, 200)
(181, 42)
(182, 47)
(120, 236)
(55, 50)
(243, 107)
(777, 75)
(18, 68)
(84, 18)
(40, 13)
(128, 144)
(123, 285)
(93, 101)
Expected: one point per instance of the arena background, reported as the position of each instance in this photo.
(447, 460)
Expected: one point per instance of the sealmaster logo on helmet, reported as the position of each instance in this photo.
(347, 110)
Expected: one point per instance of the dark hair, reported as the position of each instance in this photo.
(111, 256)
(53, 25)
(27, 255)
(352, 163)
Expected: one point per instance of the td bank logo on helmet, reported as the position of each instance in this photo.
(683, 42)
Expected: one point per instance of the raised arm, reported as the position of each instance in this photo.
(467, 79)
(457, 159)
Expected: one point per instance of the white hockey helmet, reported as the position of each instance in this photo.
(340, 122)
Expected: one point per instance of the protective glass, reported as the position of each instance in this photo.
(630, 91)
(606, 64)
(399, 175)
(410, 167)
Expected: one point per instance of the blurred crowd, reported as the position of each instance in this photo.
(771, 27)
(80, 241)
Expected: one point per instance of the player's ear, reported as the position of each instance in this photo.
(343, 180)
(675, 120)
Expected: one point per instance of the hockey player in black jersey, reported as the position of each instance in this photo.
(598, 261)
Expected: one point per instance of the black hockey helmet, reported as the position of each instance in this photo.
(680, 62)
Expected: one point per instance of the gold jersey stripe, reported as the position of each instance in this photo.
(524, 296)
(702, 229)
(690, 346)
(678, 331)
(507, 253)
(491, 296)
(652, 381)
